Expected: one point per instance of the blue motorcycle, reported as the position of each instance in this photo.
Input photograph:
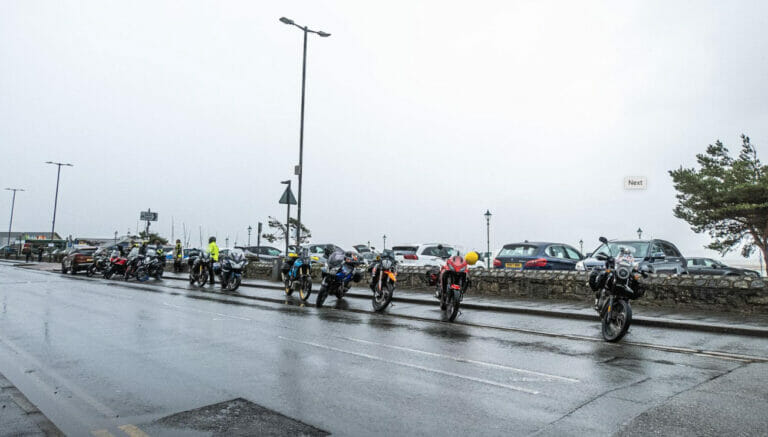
(338, 273)
(297, 273)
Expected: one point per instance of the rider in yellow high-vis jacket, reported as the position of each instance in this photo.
(213, 250)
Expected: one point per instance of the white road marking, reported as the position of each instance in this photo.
(413, 366)
(464, 360)
(205, 312)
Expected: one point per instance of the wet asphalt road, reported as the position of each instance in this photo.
(104, 357)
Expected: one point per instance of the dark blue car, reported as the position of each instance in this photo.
(537, 256)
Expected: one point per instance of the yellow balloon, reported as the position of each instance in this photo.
(472, 258)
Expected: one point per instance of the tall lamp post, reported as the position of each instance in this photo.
(639, 234)
(115, 237)
(581, 246)
(488, 238)
(249, 235)
(300, 169)
(13, 204)
(384, 237)
(56, 199)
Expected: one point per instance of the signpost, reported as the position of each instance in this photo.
(288, 199)
(148, 216)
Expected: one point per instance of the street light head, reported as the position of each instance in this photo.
(286, 20)
(487, 213)
(323, 34)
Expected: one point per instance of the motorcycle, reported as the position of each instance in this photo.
(614, 287)
(232, 267)
(138, 266)
(451, 282)
(117, 265)
(339, 271)
(198, 269)
(156, 265)
(100, 265)
(383, 280)
(297, 271)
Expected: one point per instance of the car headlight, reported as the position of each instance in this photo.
(580, 266)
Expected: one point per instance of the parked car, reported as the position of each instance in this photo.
(317, 251)
(77, 259)
(263, 253)
(421, 255)
(659, 256)
(708, 266)
(537, 255)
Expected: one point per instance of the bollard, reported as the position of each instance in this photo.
(277, 264)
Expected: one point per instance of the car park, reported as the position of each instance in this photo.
(658, 256)
(77, 259)
(537, 255)
(709, 266)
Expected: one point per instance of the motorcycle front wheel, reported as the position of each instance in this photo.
(235, 283)
(322, 294)
(382, 298)
(142, 274)
(287, 284)
(91, 271)
(202, 276)
(108, 273)
(306, 287)
(617, 320)
(451, 305)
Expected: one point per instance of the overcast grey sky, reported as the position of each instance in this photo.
(420, 114)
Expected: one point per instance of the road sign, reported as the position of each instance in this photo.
(148, 216)
(287, 197)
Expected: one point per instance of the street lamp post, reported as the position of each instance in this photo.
(639, 234)
(249, 235)
(115, 237)
(300, 169)
(581, 246)
(56, 199)
(384, 237)
(488, 238)
(13, 204)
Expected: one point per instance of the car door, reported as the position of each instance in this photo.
(556, 258)
(573, 257)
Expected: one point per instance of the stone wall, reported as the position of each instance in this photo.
(695, 292)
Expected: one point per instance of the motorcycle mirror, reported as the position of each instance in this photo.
(603, 240)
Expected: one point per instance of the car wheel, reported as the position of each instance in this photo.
(73, 270)
(63, 268)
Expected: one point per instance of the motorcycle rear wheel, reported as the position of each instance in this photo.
(616, 321)
(306, 287)
(108, 273)
(142, 274)
(91, 270)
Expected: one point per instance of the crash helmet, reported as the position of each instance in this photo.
(471, 258)
(212, 239)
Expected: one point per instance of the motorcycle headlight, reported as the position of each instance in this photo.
(623, 272)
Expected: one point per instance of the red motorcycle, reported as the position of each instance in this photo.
(117, 265)
(452, 281)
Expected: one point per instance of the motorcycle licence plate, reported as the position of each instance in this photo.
(514, 265)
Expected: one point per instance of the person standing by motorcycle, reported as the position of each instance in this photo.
(213, 250)
(178, 254)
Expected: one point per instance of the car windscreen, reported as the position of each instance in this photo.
(405, 250)
(518, 250)
(638, 249)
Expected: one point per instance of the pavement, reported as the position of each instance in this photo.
(164, 358)
(19, 417)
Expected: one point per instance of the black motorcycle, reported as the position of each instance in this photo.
(232, 267)
(138, 266)
(338, 273)
(100, 264)
(383, 279)
(157, 264)
(614, 287)
(198, 268)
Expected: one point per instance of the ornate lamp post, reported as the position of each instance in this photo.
(487, 238)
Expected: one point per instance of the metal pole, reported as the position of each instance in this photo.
(258, 239)
(301, 142)
(13, 204)
(488, 242)
(249, 236)
(55, 200)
